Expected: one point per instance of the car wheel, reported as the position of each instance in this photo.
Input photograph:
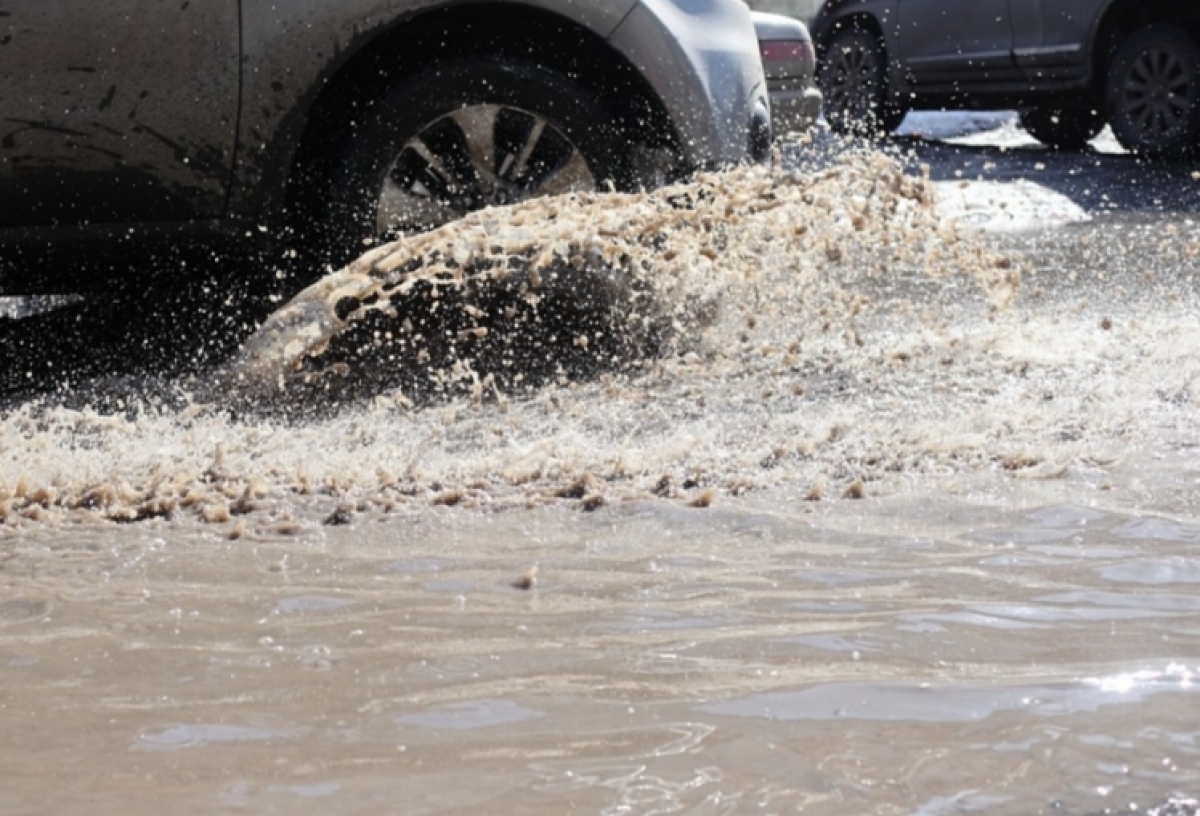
(1063, 128)
(458, 138)
(1154, 92)
(853, 78)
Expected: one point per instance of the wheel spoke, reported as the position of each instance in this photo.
(1182, 81)
(842, 67)
(514, 166)
(519, 138)
(404, 209)
(447, 141)
(478, 125)
(1137, 83)
(1157, 62)
(567, 177)
(476, 156)
(433, 163)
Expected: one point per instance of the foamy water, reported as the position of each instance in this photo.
(747, 297)
(889, 518)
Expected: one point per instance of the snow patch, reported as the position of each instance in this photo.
(1000, 129)
(995, 206)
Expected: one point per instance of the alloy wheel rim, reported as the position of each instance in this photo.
(474, 157)
(854, 75)
(1157, 94)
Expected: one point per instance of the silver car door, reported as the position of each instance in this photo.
(116, 111)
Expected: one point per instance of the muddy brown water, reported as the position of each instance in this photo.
(939, 558)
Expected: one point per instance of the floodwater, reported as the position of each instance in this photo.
(895, 519)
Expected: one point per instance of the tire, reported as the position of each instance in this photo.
(419, 157)
(1153, 92)
(1063, 128)
(853, 76)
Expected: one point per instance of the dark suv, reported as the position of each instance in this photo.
(1069, 66)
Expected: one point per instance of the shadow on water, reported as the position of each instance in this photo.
(147, 335)
(162, 341)
(482, 337)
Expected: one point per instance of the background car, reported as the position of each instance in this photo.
(317, 126)
(802, 10)
(789, 61)
(1068, 66)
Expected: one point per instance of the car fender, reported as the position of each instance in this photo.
(1102, 24)
(883, 12)
(291, 50)
(885, 15)
(714, 98)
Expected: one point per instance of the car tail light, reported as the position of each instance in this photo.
(775, 51)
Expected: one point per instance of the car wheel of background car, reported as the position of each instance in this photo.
(458, 138)
(1063, 128)
(1154, 92)
(853, 78)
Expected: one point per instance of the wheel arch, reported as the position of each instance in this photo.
(1123, 17)
(858, 20)
(874, 19)
(452, 32)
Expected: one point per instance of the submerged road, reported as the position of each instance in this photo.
(931, 557)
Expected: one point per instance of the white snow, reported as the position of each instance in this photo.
(984, 129)
(948, 125)
(996, 205)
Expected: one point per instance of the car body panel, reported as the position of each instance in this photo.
(978, 46)
(790, 69)
(1055, 34)
(938, 44)
(930, 43)
(292, 49)
(121, 111)
(131, 118)
(713, 101)
(802, 10)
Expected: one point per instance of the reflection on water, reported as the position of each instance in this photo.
(943, 703)
(472, 714)
(175, 737)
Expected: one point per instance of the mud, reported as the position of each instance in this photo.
(870, 513)
(566, 288)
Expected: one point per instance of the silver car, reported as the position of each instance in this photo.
(803, 10)
(790, 63)
(321, 124)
